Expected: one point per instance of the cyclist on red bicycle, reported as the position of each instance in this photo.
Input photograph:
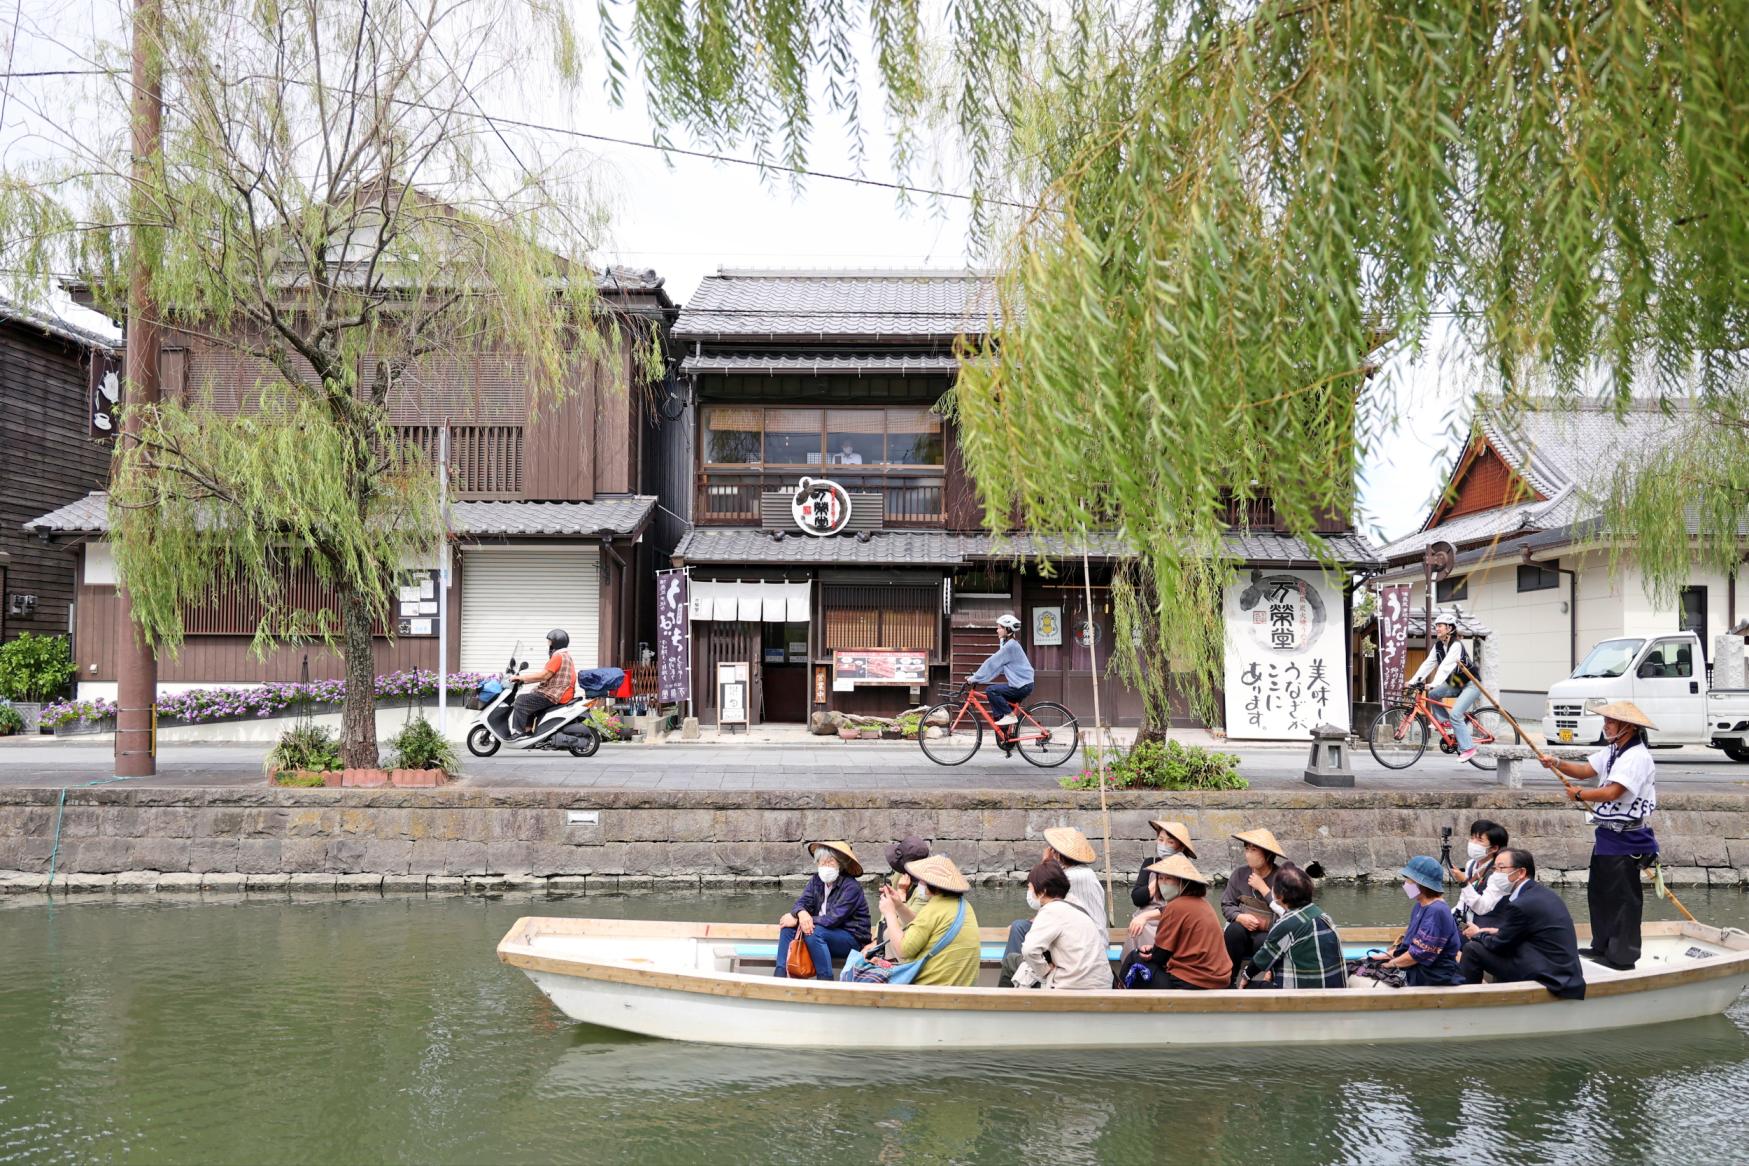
(1009, 662)
(1448, 654)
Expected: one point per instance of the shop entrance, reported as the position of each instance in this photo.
(785, 658)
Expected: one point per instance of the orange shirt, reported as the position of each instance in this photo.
(1190, 932)
(561, 685)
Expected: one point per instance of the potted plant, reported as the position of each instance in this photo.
(11, 721)
(302, 755)
(34, 669)
(417, 751)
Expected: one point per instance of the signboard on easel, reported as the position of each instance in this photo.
(734, 684)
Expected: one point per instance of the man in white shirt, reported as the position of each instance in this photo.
(1621, 805)
(1448, 656)
(1064, 948)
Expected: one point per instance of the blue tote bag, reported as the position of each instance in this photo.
(859, 969)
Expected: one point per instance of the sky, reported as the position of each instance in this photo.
(685, 217)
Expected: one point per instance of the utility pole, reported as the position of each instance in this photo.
(136, 666)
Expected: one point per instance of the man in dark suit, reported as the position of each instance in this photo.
(1535, 939)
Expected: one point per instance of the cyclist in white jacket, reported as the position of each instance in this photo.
(1442, 663)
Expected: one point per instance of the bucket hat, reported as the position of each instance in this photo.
(1425, 871)
(938, 873)
(1625, 711)
(1179, 867)
(1178, 832)
(1071, 844)
(846, 857)
(1263, 840)
(907, 849)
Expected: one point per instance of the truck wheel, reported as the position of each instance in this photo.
(1736, 751)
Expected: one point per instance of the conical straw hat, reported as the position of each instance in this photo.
(1262, 839)
(1071, 844)
(938, 872)
(846, 856)
(1178, 831)
(1179, 867)
(1625, 711)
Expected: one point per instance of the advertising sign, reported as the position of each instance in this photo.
(1047, 626)
(820, 507)
(734, 679)
(1286, 666)
(1393, 638)
(855, 667)
(673, 638)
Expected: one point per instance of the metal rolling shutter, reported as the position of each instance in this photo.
(511, 595)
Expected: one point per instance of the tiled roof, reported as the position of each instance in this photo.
(52, 325)
(739, 304)
(1506, 522)
(618, 515)
(1468, 625)
(941, 549)
(885, 363)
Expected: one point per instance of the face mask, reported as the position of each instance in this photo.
(1032, 902)
(1169, 891)
(922, 892)
(1165, 849)
(1477, 849)
(1499, 881)
(828, 874)
(1278, 908)
(1412, 890)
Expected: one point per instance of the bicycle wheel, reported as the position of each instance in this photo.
(1493, 723)
(1397, 738)
(1047, 734)
(950, 734)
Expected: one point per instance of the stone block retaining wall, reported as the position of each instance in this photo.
(159, 839)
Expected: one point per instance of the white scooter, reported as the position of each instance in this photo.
(563, 727)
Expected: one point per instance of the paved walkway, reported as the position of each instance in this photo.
(807, 763)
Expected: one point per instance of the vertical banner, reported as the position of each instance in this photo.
(1287, 656)
(673, 637)
(1393, 639)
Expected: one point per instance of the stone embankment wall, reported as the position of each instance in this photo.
(147, 838)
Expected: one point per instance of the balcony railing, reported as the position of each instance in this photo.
(914, 495)
(485, 461)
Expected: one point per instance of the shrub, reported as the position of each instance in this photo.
(61, 713)
(609, 724)
(11, 720)
(305, 779)
(303, 747)
(421, 746)
(35, 668)
(1161, 765)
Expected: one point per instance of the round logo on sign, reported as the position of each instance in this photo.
(820, 507)
(1284, 612)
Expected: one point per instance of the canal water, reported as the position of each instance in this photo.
(359, 1030)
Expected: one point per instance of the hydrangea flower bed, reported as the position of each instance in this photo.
(203, 705)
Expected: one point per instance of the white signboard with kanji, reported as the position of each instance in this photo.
(1287, 667)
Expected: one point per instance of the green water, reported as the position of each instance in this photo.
(384, 1030)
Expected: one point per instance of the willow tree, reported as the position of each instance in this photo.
(325, 209)
(1240, 210)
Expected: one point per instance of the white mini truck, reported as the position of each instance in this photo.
(1666, 676)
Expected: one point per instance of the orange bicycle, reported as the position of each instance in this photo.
(1399, 734)
(1046, 733)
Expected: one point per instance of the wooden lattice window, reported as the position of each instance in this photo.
(897, 615)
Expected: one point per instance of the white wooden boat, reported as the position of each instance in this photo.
(712, 982)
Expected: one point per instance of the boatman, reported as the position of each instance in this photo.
(1621, 806)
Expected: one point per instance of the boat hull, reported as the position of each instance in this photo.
(660, 996)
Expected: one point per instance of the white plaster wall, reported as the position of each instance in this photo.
(99, 564)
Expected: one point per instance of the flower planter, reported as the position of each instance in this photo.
(31, 711)
(892, 734)
(849, 734)
(358, 778)
(417, 778)
(871, 734)
(84, 726)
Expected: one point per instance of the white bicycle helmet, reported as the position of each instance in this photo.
(1009, 621)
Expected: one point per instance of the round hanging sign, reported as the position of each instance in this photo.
(820, 507)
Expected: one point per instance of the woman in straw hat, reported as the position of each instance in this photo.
(1621, 806)
(1249, 903)
(1185, 951)
(943, 888)
(832, 914)
(1169, 838)
(1069, 848)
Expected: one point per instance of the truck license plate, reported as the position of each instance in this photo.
(1566, 736)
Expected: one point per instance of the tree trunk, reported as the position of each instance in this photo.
(358, 721)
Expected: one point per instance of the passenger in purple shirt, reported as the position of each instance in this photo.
(832, 913)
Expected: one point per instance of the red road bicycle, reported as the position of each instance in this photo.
(1399, 734)
(1046, 733)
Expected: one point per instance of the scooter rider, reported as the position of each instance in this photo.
(555, 684)
(1448, 655)
(1008, 661)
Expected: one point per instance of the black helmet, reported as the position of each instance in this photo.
(558, 638)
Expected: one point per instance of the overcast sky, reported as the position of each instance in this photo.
(685, 217)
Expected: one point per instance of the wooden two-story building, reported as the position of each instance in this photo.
(551, 503)
(57, 429)
(836, 376)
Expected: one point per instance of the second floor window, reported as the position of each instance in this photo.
(752, 435)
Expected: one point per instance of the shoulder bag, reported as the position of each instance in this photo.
(859, 969)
